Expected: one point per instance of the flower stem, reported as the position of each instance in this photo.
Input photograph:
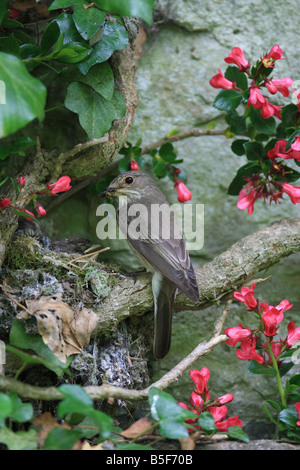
(278, 379)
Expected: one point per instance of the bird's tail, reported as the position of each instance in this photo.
(164, 295)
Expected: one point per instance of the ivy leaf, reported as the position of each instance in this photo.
(114, 38)
(228, 100)
(100, 77)
(87, 20)
(22, 96)
(141, 8)
(95, 112)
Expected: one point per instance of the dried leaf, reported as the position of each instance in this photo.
(137, 428)
(46, 422)
(63, 330)
(187, 443)
(86, 446)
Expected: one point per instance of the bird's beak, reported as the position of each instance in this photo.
(108, 192)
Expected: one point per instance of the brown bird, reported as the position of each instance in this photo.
(160, 246)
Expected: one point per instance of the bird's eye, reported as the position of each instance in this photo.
(129, 180)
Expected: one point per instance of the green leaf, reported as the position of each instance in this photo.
(24, 95)
(71, 53)
(21, 412)
(239, 181)
(68, 29)
(114, 38)
(265, 126)
(133, 447)
(50, 37)
(257, 368)
(236, 432)
(254, 150)
(160, 168)
(20, 440)
(234, 74)
(290, 174)
(277, 405)
(124, 164)
(140, 8)
(3, 10)
(95, 112)
(289, 416)
(166, 152)
(207, 422)
(228, 100)
(265, 409)
(87, 20)
(10, 45)
(173, 429)
(237, 146)
(289, 114)
(101, 78)
(60, 4)
(21, 339)
(295, 380)
(6, 405)
(17, 147)
(236, 122)
(60, 439)
(291, 139)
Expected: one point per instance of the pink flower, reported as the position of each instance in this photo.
(296, 145)
(247, 200)
(282, 85)
(269, 59)
(298, 98)
(196, 401)
(247, 296)
(219, 414)
(21, 181)
(293, 334)
(219, 81)
(237, 57)
(183, 193)
(134, 165)
(276, 350)
(292, 191)
(247, 352)
(236, 334)
(13, 13)
(61, 185)
(268, 109)
(256, 98)
(40, 209)
(200, 379)
(278, 151)
(225, 399)
(4, 203)
(284, 306)
(297, 407)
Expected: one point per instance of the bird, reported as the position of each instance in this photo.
(165, 255)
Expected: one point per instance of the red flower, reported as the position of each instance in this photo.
(200, 379)
(278, 151)
(196, 401)
(247, 296)
(247, 352)
(236, 334)
(297, 407)
(14, 14)
(28, 212)
(269, 59)
(268, 109)
(296, 145)
(40, 209)
(219, 414)
(61, 185)
(255, 98)
(271, 318)
(219, 81)
(183, 193)
(21, 181)
(237, 57)
(284, 306)
(247, 200)
(276, 350)
(297, 98)
(225, 399)
(4, 203)
(292, 191)
(293, 334)
(134, 165)
(281, 85)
